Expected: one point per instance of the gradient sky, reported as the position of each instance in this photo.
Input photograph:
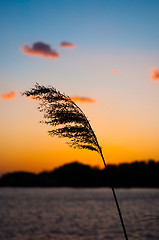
(113, 59)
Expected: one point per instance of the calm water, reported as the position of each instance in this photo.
(77, 214)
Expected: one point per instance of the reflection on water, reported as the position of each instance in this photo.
(77, 214)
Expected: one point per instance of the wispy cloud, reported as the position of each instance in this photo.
(155, 74)
(115, 71)
(67, 45)
(82, 99)
(8, 96)
(40, 49)
(73, 98)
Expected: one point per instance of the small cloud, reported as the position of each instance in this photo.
(73, 98)
(83, 99)
(67, 45)
(155, 74)
(8, 96)
(40, 49)
(115, 71)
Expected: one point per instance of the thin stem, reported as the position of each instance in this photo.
(113, 190)
(119, 212)
(116, 201)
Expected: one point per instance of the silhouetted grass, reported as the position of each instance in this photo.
(69, 121)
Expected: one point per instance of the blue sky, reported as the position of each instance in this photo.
(121, 35)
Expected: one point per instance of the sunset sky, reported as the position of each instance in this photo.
(104, 54)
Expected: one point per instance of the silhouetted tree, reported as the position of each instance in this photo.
(74, 174)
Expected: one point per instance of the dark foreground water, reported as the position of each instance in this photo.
(77, 214)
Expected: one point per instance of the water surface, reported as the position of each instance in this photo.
(77, 214)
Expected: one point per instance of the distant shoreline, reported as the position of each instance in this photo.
(84, 188)
(76, 175)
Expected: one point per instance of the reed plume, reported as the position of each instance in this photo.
(69, 121)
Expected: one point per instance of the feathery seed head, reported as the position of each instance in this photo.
(65, 116)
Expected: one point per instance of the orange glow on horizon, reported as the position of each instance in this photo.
(26, 146)
(47, 153)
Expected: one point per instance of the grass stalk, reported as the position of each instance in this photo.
(68, 120)
(116, 202)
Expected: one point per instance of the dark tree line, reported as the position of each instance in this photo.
(135, 174)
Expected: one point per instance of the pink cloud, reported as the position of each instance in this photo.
(67, 45)
(115, 71)
(8, 96)
(82, 99)
(40, 49)
(155, 74)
